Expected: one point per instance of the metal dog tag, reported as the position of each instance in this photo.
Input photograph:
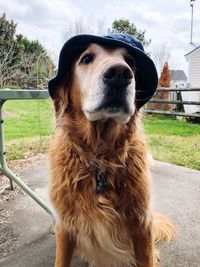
(101, 182)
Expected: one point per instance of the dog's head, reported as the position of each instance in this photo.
(104, 77)
(103, 80)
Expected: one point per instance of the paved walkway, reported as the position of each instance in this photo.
(176, 192)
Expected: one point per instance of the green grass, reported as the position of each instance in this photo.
(173, 141)
(165, 126)
(29, 124)
(27, 118)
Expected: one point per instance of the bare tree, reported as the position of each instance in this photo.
(160, 55)
(9, 63)
(82, 25)
(24, 70)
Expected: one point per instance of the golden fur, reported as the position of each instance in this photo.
(115, 228)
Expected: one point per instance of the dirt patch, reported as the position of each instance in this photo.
(17, 166)
(10, 114)
(5, 193)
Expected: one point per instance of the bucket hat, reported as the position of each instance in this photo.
(146, 74)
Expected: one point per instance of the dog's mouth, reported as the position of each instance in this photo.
(114, 99)
(113, 105)
(114, 102)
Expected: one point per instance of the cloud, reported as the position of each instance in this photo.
(164, 21)
(40, 12)
(43, 20)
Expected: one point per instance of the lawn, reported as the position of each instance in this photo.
(29, 123)
(27, 118)
(173, 141)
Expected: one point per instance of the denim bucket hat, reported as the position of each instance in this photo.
(146, 74)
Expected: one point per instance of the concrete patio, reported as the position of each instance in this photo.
(176, 192)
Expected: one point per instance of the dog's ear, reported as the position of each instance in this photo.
(61, 99)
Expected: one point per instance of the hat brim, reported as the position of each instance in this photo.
(146, 74)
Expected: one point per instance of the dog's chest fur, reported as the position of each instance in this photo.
(100, 222)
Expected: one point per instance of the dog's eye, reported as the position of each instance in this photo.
(130, 61)
(86, 59)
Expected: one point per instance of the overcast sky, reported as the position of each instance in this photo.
(165, 22)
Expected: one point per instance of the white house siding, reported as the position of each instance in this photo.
(178, 84)
(193, 80)
(194, 68)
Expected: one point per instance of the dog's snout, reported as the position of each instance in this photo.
(117, 73)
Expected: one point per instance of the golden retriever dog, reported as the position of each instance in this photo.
(100, 185)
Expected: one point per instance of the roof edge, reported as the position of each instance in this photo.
(192, 51)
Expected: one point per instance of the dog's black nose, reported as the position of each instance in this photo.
(117, 74)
